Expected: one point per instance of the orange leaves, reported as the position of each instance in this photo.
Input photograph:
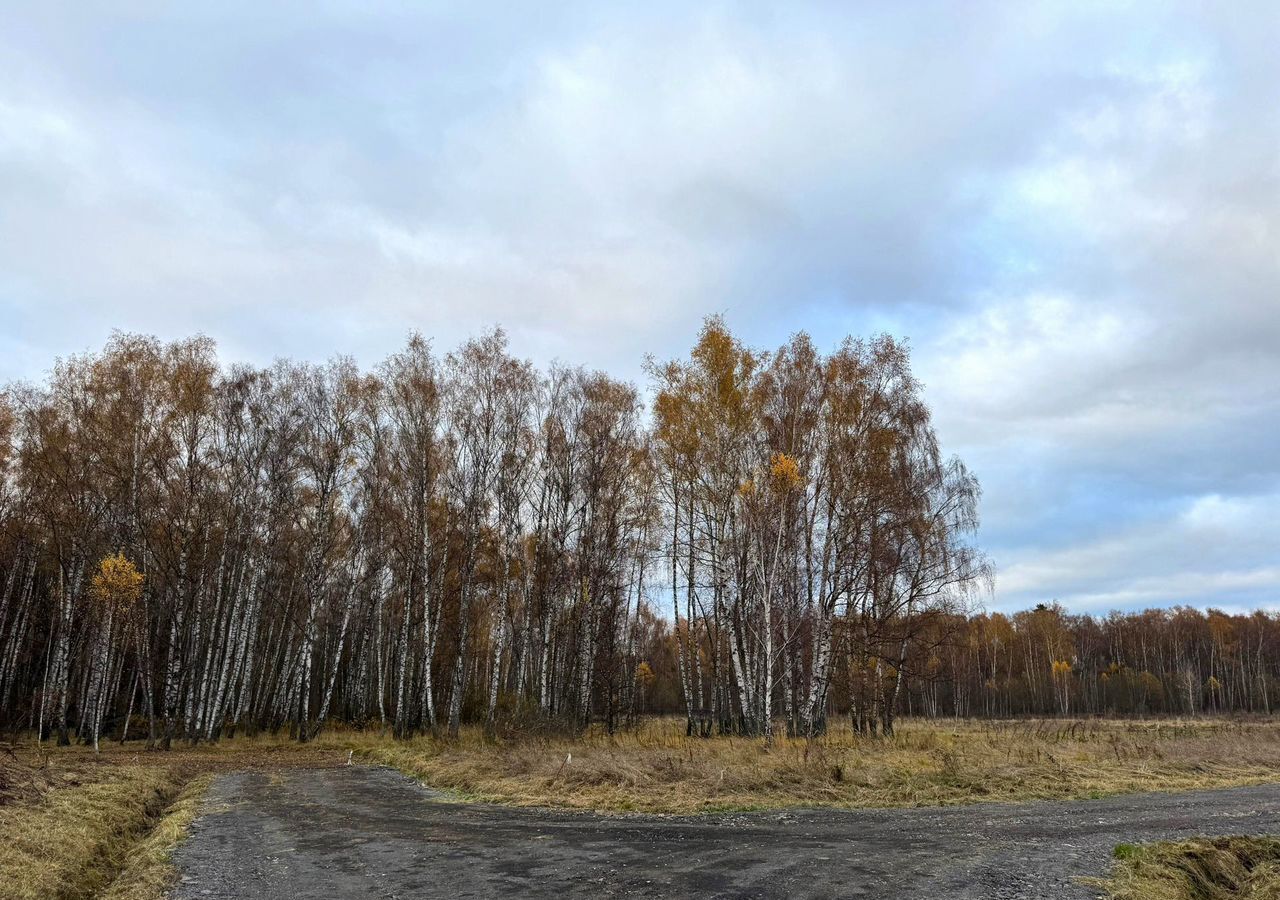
(784, 473)
(724, 363)
(1061, 668)
(675, 421)
(117, 584)
(705, 409)
(782, 478)
(645, 676)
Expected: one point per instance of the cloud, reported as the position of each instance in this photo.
(1071, 209)
(1211, 550)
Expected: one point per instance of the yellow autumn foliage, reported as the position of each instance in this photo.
(117, 583)
(785, 473)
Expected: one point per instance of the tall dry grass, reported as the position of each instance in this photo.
(657, 769)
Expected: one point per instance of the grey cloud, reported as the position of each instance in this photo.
(1072, 209)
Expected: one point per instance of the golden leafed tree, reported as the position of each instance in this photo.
(117, 584)
(115, 587)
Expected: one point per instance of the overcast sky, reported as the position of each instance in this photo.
(1071, 210)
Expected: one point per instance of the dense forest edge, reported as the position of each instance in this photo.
(189, 550)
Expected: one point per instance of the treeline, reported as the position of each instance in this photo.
(1178, 661)
(1046, 662)
(193, 549)
(463, 537)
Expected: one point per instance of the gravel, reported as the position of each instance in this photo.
(372, 833)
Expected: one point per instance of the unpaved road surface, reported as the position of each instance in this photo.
(372, 833)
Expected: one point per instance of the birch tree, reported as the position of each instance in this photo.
(467, 538)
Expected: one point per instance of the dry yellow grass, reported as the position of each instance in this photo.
(1231, 868)
(147, 873)
(78, 825)
(657, 769)
(72, 840)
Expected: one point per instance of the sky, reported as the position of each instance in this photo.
(1071, 211)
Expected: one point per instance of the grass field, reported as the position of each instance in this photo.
(85, 824)
(657, 769)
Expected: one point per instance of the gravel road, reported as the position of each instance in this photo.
(373, 833)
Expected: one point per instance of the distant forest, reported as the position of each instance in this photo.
(188, 549)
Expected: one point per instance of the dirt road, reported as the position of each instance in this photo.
(372, 833)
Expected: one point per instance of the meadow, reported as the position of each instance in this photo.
(655, 768)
